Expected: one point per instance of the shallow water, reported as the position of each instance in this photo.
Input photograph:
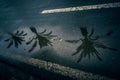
(20, 15)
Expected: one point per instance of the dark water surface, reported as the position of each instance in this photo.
(22, 14)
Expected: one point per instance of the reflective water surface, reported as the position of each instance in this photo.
(85, 40)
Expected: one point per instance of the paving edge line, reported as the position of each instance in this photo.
(56, 68)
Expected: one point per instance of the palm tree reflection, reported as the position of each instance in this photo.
(40, 38)
(89, 45)
(16, 38)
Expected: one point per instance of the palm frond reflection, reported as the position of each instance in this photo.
(41, 38)
(89, 45)
(16, 38)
